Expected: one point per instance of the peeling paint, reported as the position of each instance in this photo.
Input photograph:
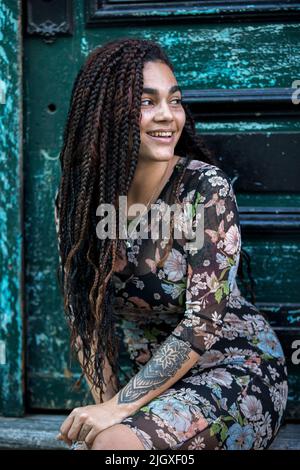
(293, 319)
(3, 87)
(226, 55)
(84, 46)
(249, 126)
(11, 327)
(46, 155)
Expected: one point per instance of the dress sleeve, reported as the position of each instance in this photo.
(211, 269)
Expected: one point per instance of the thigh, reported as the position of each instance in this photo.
(173, 418)
(117, 437)
(223, 407)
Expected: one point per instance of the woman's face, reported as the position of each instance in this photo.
(161, 110)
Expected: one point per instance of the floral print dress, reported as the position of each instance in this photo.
(235, 396)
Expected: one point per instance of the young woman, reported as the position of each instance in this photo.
(208, 371)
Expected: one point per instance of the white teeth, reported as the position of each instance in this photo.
(161, 134)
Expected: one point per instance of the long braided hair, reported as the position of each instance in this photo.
(98, 162)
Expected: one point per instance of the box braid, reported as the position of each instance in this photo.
(98, 164)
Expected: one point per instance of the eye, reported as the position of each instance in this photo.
(145, 100)
(174, 99)
(177, 99)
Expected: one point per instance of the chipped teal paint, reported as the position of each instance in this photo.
(269, 200)
(194, 12)
(84, 46)
(292, 319)
(247, 126)
(5, 300)
(178, 12)
(11, 241)
(231, 55)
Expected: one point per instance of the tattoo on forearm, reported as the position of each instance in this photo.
(159, 369)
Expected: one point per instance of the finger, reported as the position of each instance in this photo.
(64, 429)
(76, 427)
(91, 436)
(84, 432)
(60, 437)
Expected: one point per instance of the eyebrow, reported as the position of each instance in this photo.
(154, 91)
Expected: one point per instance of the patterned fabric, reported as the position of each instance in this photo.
(235, 396)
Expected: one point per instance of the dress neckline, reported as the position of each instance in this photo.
(180, 162)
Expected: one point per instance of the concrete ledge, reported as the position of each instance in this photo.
(31, 432)
(39, 431)
(288, 438)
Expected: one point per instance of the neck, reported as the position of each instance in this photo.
(147, 177)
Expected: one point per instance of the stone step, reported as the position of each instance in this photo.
(31, 432)
(38, 431)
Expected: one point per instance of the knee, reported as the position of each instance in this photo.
(104, 440)
(117, 437)
(100, 442)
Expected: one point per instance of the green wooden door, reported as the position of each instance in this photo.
(237, 68)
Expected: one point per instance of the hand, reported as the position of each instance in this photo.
(85, 423)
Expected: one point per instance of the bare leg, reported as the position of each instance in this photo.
(117, 437)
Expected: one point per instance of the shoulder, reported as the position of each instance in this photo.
(207, 178)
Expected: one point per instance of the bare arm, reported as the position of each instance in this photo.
(168, 364)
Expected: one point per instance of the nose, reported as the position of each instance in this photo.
(164, 112)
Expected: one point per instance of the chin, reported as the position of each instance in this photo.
(162, 153)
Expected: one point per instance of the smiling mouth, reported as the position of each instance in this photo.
(164, 140)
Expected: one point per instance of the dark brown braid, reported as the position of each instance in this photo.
(98, 163)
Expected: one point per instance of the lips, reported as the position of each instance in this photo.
(163, 140)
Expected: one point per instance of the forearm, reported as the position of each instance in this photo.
(167, 365)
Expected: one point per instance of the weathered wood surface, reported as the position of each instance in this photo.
(39, 431)
(288, 438)
(31, 432)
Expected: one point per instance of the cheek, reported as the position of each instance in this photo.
(145, 118)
